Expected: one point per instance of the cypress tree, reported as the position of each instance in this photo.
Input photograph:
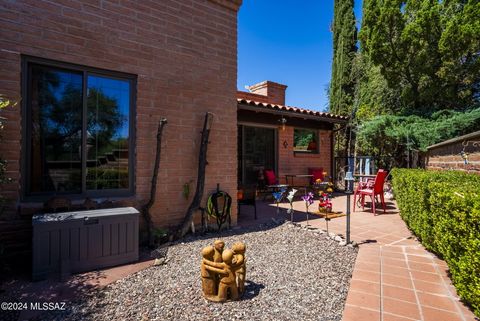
(344, 48)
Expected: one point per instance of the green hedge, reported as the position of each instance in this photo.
(443, 210)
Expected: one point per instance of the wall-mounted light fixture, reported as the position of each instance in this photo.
(463, 153)
(283, 122)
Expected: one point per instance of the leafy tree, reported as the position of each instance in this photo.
(373, 96)
(428, 49)
(459, 46)
(393, 136)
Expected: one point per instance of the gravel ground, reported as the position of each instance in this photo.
(292, 274)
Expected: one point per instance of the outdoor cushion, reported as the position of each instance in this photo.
(270, 177)
(317, 174)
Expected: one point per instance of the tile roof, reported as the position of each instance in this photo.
(291, 109)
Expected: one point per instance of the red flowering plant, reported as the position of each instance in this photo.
(325, 205)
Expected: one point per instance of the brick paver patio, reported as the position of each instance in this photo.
(394, 278)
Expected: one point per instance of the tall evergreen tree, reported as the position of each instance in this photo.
(344, 48)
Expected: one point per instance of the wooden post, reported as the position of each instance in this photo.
(202, 163)
(153, 189)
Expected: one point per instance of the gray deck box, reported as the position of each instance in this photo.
(72, 242)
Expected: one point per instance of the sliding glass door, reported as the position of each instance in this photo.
(257, 151)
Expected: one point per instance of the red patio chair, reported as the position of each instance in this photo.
(266, 179)
(317, 173)
(270, 177)
(372, 188)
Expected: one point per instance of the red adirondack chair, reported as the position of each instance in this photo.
(372, 188)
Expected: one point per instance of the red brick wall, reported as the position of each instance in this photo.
(448, 157)
(185, 55)
(274, 92)
(298, 163)
(250, 96)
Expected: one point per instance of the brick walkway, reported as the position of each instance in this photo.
(394, 278)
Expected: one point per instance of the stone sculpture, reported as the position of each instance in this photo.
(209, 285)
(218, 245)
(239, 251)
(223, 271)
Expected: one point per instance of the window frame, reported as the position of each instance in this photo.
(317, 137)
(26, 158)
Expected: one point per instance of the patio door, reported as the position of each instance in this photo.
(256, 151)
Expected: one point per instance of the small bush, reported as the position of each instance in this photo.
(443, 210)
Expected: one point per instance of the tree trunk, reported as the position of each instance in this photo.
(347, 141)
(153, 189)
(202, 163)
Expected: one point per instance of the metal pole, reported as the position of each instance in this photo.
(348, 190)
(348, 217)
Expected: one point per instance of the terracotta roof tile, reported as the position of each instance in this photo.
(290, 109)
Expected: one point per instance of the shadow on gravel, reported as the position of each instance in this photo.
(252, 289)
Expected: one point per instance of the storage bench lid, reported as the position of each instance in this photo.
(81, 215)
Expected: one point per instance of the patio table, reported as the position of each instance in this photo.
(277, 187)
(292, 176)
(364, 175)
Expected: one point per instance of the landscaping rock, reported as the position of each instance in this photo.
(291, 275)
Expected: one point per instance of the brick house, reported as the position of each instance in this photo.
(297, 139)
(94, 77)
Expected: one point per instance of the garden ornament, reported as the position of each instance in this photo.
(209, 285)
(224, 280)
(290, 197)
(308, 199)
(277, 196)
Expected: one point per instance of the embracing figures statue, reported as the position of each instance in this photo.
(223, 271)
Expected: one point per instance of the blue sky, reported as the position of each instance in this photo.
(288, 42)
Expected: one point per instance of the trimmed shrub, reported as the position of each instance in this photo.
(443, 210)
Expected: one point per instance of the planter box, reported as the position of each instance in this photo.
(72, 242)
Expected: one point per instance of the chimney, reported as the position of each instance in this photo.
(275, 92)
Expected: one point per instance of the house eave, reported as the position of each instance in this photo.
(242, 106)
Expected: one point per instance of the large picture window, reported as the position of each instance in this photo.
(305, 140)
(79, 130)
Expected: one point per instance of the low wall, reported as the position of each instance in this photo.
(447, 155)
